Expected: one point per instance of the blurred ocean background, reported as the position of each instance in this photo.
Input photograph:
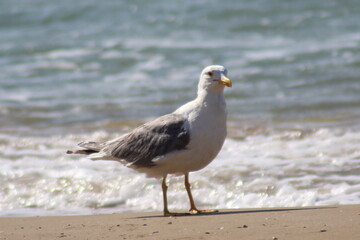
(86, 69)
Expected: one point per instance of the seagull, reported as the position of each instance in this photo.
(181, 142)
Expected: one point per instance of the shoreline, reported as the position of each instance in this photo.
(325, 222)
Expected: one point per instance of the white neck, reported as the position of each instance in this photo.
(212, 100)
(211, 93)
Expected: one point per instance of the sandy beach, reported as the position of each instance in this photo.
(331, 222)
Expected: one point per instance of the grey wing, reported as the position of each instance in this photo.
(159, 137)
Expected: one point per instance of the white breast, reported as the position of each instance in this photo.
(207, 126)
(208, 132)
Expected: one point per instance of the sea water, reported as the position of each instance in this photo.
(89, 70)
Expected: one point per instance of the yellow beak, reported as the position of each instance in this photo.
(224, 80)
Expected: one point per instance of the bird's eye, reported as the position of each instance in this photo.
(210, 74)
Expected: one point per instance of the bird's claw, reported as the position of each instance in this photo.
(191, 212)
(198, 211)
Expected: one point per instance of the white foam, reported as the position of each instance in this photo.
(279, 169)
(69, 53)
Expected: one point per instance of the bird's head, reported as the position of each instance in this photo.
(214, 78)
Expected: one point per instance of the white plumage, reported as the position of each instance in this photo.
(178, 143)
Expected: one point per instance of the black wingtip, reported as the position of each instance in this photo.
(84, 151)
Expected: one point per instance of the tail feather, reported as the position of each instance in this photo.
(90, 148)
(96, 146)
(83, 151)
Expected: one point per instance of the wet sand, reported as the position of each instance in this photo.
(331, 222)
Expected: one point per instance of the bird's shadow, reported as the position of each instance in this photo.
(227, 212)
